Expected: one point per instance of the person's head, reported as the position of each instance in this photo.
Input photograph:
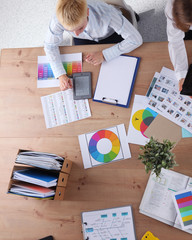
(73, 15)
(182, 14)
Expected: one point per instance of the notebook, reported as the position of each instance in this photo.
(116, 80)
(31, 190)
(43, 160)
(157, 201)
(113, 223)
(36, 176)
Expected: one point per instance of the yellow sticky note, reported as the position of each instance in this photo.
(149, 236)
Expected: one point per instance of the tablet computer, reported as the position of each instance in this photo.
(187, 85)
(82, 85)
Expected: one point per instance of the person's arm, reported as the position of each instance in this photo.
(124, 28)
(52, 41)
(131, 36)
(176, 46)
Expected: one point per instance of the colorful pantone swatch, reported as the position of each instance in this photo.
(113, 152)
(45, 72)
(142, 119)
(184, 204)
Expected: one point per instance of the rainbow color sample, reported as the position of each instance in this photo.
(112, 154)
(72, 67)
(142, 119)
(45, 72)
(184, 204)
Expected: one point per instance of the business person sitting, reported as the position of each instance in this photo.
(179, 26)
(89, 22)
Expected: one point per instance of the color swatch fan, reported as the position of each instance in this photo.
(104, 146)
(72, 63)
(183, 205)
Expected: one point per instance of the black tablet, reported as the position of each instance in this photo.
(82, 85)
(187, 85)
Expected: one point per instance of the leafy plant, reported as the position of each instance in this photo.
(156, 155)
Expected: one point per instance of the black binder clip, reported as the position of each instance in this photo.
(110, 100)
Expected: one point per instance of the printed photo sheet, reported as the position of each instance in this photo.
(165, 98)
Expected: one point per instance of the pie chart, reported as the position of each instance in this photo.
(104, 146)
(142, 119)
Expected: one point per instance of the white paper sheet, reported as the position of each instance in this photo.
(108, 224)
(115, 80)
(72, 63)
(60, 108)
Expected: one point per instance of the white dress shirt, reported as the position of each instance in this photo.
(177, 50)
(104, 20)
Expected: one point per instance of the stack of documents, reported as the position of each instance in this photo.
(31, 190)
(36, 176)
(39, 159)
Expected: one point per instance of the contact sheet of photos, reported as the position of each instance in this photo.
(165, 98)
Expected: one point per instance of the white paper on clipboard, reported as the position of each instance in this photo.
(116, 79)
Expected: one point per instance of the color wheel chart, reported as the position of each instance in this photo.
(142, 119)
(104, 146)
(108, 138)
(183, 204)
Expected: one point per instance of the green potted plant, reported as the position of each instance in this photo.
(156, 155)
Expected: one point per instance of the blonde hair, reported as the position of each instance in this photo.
(71, 13)
(182, 14)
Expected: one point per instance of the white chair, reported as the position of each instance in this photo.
(126, 10)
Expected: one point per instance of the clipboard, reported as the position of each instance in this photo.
(116, 81)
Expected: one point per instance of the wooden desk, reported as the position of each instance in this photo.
(117, 184)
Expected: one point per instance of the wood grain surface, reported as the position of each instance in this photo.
(116, 184)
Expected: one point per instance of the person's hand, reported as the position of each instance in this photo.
(65, 82)
(94, 58)
(181, 81)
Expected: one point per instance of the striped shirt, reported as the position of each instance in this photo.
(104, 20)
(177, 50)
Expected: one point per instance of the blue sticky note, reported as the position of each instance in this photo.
(124, 213)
